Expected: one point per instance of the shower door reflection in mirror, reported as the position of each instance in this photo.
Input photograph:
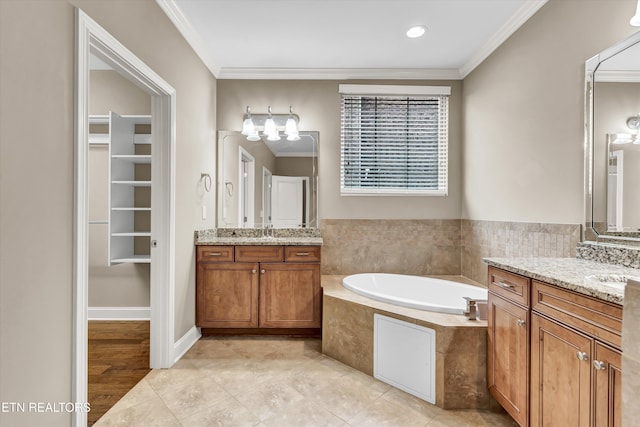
(267, 183)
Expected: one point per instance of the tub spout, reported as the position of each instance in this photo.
(476, 309)
(471, 308)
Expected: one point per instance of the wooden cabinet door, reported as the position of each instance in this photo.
(560, 375)
(508, 357)
(227, 295)
(607, 365)
(290, 295)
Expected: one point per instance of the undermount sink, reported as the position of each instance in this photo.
(609, 279)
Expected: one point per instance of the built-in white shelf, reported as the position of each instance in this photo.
(132, 234)
(138, 159)
(133, 183)
(123, 159)
(99, 139)
(139, 259)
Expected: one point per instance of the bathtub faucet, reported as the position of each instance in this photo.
(476, 309)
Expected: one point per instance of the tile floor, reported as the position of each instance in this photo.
(275, 382)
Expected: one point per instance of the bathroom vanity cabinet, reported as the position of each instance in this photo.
(508, 342)
(569, 351)
(258, 289)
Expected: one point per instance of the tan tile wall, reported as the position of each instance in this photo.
(461, 352)
(417, 247)
(481, 239)
(433, 246)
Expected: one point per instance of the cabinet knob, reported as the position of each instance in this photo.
(582, 355)
(599, 365)
(263, 271)
(254, 271)
(521, 322)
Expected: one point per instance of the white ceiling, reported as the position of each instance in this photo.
(341, 39)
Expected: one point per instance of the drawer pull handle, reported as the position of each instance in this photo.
(521, 322)
(505, 286)
(601, 366)
(582, 355)
(302, 253)
(214, 254)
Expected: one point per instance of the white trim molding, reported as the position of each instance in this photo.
(339, 73)
(185, 343)
(173, 11)
(394, 90)
(526, 11)
(119, 313)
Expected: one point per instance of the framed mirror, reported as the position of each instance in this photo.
(267, 183)
(612, 143)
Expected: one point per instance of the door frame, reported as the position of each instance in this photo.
(247, 194)
(91, 38)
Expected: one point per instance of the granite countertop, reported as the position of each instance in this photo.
(252, 236)
(261, 241)
(596, 279)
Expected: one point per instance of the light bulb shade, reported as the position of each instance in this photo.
(270, 127)
(635, 21)
(253, 136)
(293, 137)
(291, 127)
(273, 136)
(248, 127)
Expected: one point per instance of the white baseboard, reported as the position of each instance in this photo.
(119, 313)
(185, 343)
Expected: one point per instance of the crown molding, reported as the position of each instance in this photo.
(339, 73)
(173, 11)
(522, 15)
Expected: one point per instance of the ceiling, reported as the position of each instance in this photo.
(342, 39)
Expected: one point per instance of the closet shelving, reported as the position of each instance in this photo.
(129, 186)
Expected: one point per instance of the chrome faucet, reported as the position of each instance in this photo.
(471, 308)
(476, 309)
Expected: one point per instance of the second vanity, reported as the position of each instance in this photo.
(259, 285)
(554, 340)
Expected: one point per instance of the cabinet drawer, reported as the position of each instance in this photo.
(597, 318)
(259, 254)
(214, 253)
(508, 285)
(302, 253)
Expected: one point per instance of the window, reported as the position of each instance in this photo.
(394, 140)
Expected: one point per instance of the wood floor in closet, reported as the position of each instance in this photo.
(118, 360)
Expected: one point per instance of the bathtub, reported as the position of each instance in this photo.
(423, 293)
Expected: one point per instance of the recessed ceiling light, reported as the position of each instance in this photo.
(417, 31)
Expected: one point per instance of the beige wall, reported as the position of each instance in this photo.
(36, 113)
(318, 105)
(121, 285)
(523, 114)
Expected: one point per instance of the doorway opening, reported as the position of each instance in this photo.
(92, 39)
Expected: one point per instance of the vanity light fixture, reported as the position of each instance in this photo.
(417, 31)
(271, 124)
(249, 128)
(635, 20)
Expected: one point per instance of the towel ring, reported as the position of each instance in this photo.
(207, 181)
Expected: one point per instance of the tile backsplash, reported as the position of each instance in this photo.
(437, 247)
(419, 247)
(481, 239)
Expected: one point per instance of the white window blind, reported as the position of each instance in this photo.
(394, 144)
